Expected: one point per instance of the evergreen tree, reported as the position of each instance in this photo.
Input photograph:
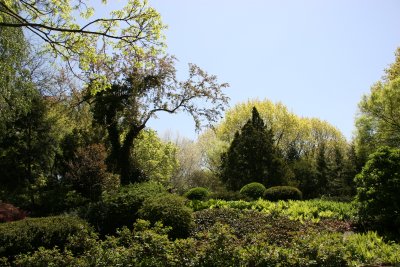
(252, 157)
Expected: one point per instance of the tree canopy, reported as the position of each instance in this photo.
(74, 32)
(252, 156)
(378, 121)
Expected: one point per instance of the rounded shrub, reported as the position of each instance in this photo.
(29, 234)
(197, 193)
(276, 193)
(120, 208)
(170, 210)
(253, 190)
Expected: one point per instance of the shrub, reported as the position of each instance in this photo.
(253, 190)
(283, 193)
(197, 193)
(9, 213)
(225, 195)
(378, 187)
(169, 209)
(121, 208)
(30, 234)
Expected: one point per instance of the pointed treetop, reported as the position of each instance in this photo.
(256, 120)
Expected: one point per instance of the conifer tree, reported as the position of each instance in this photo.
(252, 156)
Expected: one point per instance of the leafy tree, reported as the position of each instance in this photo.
(27, 148)
(252, 156)
(378, 123)
(87, 172)
(157, 159)
(300, 141)
(13, 55)
(378, 187)
(72, 31)
(290, 131)
(138, 94)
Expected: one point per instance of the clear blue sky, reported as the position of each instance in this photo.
(316, 57)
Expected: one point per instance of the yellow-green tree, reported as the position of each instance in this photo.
(72, 30)
(378, 122)
(157, 159)
(311, 147)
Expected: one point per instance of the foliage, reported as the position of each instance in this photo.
(157, 159)
(378, 120)
(197, 193)
(171, 211)
(251, 156)
(283, 193)
(377, 191)
(87, 172)
(298, 140)
(27, 149)
(68, 33)
(225, 194)
(9, 213)
(253, 190)
(314, 210)
(29, 234)
(219, 245)
(120, 208)
(139, 94)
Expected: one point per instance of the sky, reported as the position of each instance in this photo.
(316, 57)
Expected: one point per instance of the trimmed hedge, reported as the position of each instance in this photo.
(29, 234)
(170, 210)
(121, 208)
(253, 190)
(283, 193)
(197, 193)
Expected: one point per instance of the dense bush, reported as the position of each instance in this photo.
(378, 187)
(171, 211)
(253, 190)
(219, 245)
(120, 208)
(197, 193)
(225, 195)
(9, 213)
(29, 234)
(283, 193)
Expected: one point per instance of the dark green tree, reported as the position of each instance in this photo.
(378, 187)
(26, 143)
(252, 157)
(322, 170)
(27, 149)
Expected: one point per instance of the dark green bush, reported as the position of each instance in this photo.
(253, 190)
(283, 193)
(120, 209)
(225, 195)
(171, 210)
(197, 193)
(30, 234)
(378, 187)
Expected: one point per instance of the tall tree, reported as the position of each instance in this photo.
(252, 156)
(27, 147)
(140, 93)
(378, 122)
